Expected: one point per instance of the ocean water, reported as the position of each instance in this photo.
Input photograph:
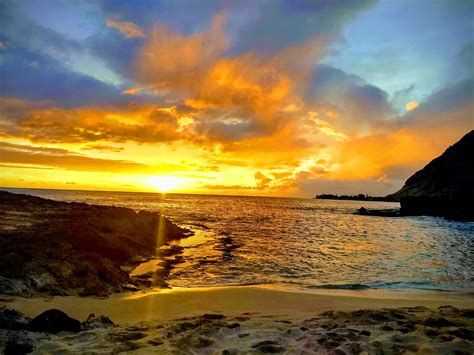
(303, 243)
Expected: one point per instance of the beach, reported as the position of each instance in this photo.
(162, 304)
(85, 278)
(261, 319)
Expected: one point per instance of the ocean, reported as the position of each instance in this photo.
(299, 243)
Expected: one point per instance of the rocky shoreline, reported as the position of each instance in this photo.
(59, 248)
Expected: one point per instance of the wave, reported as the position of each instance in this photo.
(341, 287)
(395, 285)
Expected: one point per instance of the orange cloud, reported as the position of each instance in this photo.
(260, 87)
(128, 29)
(171, 60)
(140, 124)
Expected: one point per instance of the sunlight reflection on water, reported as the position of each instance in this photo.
(303, 242)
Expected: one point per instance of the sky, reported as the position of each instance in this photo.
(267, 97)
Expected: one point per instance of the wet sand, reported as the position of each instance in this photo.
(176, 303)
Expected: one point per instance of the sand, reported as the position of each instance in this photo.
(176, 303)
(258, 319)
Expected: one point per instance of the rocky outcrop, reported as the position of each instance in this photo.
(444, 187)
(20, 334)
(54, 321)
(12, 319)
(60, 248)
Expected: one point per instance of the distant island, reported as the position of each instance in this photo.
(358, 197)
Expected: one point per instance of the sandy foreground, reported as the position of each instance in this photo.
(259, 319)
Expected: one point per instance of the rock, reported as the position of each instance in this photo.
(444, 187)
(12, 319)
(264, 342)
(18, 345)
(59, 248)
(54, 321)
(381, 213)
(9, 286)
(468, 313)
(10, 265)
(268, 346)
(363, 211)
(438, 322)
(93, 322)
(270, 349)
(463, 333)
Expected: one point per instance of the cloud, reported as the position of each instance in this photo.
(64, 159)
(101, 147)
(128, 29)
(33, 76)
(359, 106)
(406, 144)
(234, 97)
(142, 123)
(172, 60)
(226, 81)
(273, 25)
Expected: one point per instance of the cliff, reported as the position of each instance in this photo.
(444, 187)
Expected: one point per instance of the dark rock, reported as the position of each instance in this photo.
(93, 322)
(445, 337)
(380, 213)
(233, 325)
(18, 347)
(212, 316)
(230, 352)
(155, 342)
(363, 211)
(264, 342)
(268, 346)
(444, 187)
(54, 321)
(463, 333)
(60, 248)
(431, 332)
(468, 313)
(12, 319)
(10, 265)
(438, 322)
(365, 333)
(270, 349)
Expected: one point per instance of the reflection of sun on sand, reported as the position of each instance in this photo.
(166, 304)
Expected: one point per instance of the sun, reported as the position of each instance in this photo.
(164, 183)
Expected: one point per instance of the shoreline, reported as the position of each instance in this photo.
(167, 304)
(250, 320)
